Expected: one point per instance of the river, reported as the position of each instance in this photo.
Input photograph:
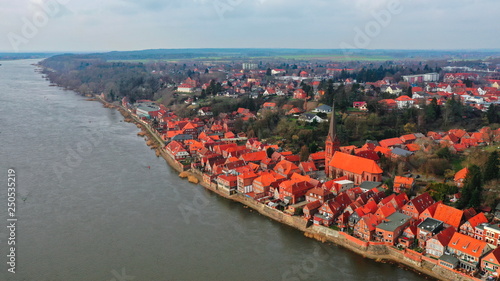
(95, 203)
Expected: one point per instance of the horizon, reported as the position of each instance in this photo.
(245, 48)
(35, 26)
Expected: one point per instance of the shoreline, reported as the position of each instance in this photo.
(378, 253)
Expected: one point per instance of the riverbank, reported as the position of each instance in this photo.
(375, 251)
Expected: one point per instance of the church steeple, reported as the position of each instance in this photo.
(332, 132)
(332, 143)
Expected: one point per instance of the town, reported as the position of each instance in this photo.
(342, 187)
(409, 193)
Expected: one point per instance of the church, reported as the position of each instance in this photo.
(338, 164)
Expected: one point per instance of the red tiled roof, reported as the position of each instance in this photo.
(317, 156)
(477, 220)
(461, 174)
(422, 202)
(467, 245)
(390, 142)
(403, 181)
(254, 156)
(313, 205)
(408, 137)
(449, 215)
(308, 166)
(445, 236)
(354, 164)
(413, 147)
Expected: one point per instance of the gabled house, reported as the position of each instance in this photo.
(311, 209)
(436, 245)
(294, 190)
(460, 177)
(417, 205)
(429, 212)
(404, 101)
(407, 237)
(319, 159)
(491, 263)
(365, 228)
(299, 94)
(323, 108)
(309, 118)
(361, 105)
(286, 168)
(391, 143)
(263, 183)
(307, 168)
(254, 157)
(402, 184)
(328, 212)
(468, 250)
(227, 183)
(407, 139)
(319, 194)
(469, 227)
(176, 150)
(245, 182)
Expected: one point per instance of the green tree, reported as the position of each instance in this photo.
(491, 169)
(269, 152)
(493, 114)
(471, 191)
(444, 153)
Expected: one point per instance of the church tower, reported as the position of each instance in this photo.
(332, 143)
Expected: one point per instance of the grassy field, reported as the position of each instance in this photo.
(305, 57)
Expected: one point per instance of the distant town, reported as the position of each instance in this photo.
(402, 155)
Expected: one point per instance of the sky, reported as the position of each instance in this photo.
(107, 25)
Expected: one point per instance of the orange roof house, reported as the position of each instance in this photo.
(403, 183)
(311, 208)
(357, 169)
(460, 177)
(467, 249)
(269, 105)
(318, 158)
(307, 168)
(263, 183)
(286, 168)
(255, 157)
(294, 190)
(319, 194)
(469, 227)
(365, 228)
(491, 262)
(391, 143)
(413, 147)
(449, 215)
(408, 138)
(383, 150)
(429, 212)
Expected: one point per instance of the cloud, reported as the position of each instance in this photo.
(130, 24)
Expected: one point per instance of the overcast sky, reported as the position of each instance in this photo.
(105, 25)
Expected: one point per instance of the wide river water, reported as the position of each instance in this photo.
(95, 203)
